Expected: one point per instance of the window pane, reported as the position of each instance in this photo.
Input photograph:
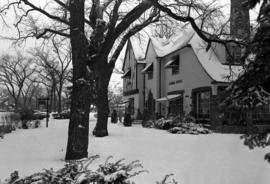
(203, 104)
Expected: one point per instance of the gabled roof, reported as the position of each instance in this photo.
(138, 46)
(165, 46)
(211, 63)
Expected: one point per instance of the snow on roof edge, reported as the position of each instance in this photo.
(211, 63)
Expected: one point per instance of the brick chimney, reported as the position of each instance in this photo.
(240, 22)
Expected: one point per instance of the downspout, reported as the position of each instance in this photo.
(159, 93)
(143, 92)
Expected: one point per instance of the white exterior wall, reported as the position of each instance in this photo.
(220, 51)
(191, 75)
(140, 85)
(152, 84)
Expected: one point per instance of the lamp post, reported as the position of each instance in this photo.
(47, 114)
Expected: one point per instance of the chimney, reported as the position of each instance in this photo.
(240, 22)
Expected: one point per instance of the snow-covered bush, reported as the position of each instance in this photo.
(79, 172)
(164, 124)
(190, 128)
(148, 124)
(178, 125)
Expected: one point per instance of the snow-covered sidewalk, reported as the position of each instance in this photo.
(194, 159)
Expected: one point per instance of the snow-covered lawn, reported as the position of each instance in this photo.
(194, 159)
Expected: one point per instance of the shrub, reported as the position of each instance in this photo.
(139, 115)
(114, 117)
(190, 128)
(127, 120)
(148, 124)
(163, 124)
(146, 117)
(37, 124)
(78, 172)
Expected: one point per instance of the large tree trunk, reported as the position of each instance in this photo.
(102, 103)
(78, 130)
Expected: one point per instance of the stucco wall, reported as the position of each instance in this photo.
(152, 84)
(140, 85)
(191, 75)
(220, 51)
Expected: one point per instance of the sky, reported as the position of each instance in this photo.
(7, 46)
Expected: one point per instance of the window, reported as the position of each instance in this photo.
(149, 70)
(203, 104)
(175, 65)
(150, 75)
(175, 70)
(176, 107)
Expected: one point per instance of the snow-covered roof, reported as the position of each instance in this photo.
(165, 46)
(139, 47)
(211, 63)
(142, 61)
(208, 59)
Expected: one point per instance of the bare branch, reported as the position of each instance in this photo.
(58, 32)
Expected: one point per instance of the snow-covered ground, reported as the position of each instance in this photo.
(194, 159)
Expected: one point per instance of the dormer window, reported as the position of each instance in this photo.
(173, 64)
(149, 70)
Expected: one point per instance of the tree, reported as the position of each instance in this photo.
(54, 66)
(252, 88)
(16, 73)
(93, 50)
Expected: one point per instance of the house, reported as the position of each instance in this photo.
(133, 86)
(179, 76)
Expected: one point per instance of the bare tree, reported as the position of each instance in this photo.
(54, 65)
(93, 28)
(47, 68)
(98, 31)
(15, 72)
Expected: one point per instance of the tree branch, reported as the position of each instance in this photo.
(45, 31)
(154, 17)
(191, 20)
(42, 11)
